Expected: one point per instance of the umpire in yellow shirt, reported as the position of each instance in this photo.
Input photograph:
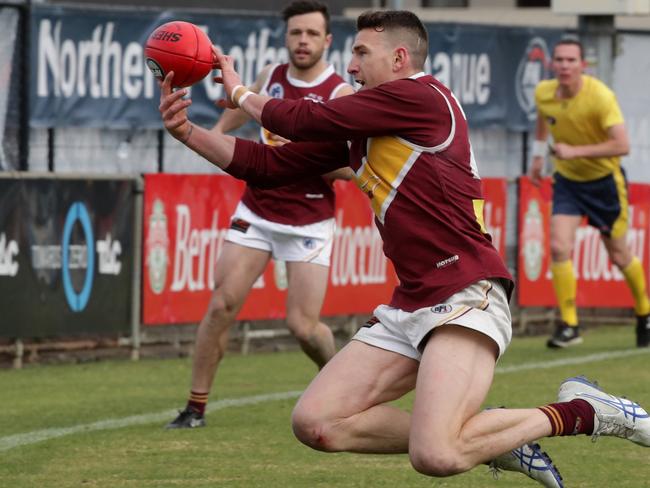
(589, 138)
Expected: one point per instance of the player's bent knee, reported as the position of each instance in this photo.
(436, 463)
(313, 431)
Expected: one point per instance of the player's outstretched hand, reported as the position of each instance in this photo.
(173, 109)
(229, 77)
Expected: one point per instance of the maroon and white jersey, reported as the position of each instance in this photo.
(407, 141)
(311, 200)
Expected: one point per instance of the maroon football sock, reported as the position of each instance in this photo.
(198, 401)
(570, 418)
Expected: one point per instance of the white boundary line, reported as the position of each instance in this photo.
(12, 441)
(17, 440)
(591, 358)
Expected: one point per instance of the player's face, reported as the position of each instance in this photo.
(371, 62)
(567, 64)
(306, 39)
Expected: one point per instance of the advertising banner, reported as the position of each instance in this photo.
(185, 221)
(88, 69)
(495, 192)
(66, 254)
(600, 283)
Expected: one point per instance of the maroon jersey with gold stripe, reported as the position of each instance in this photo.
(408, 143)
(311, 200)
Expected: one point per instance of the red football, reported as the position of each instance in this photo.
(180, 47)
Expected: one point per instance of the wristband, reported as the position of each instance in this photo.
(540, 149)
(246, 94)
(237, 93)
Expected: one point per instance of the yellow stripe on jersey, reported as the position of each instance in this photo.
(581, 120)
(387, 161)
(479, 205)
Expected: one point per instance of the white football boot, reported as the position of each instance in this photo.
(616, 416)
(530, 460)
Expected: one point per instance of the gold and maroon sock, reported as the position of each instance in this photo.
(570, 418)
(198, 401)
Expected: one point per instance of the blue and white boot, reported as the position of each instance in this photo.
(615, 416)
(530, 460)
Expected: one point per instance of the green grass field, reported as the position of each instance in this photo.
(51, 435)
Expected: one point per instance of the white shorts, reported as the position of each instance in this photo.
(482, 306)
(310, 243)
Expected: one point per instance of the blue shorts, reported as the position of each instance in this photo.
(603, 201)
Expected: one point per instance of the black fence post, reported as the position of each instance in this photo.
(25, 56)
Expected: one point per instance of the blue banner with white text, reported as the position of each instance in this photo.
(88, 66)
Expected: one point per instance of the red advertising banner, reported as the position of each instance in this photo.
(495, 192)
(600, 283)
(185, 221)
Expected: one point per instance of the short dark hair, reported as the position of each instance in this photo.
(571, 41)
(300, 7)
(393, 20)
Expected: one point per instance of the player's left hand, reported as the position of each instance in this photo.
(229, 77)
(564, 151)
(173, 109)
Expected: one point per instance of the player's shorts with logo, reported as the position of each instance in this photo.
(310, 243)
(603, 201)
(482, 306)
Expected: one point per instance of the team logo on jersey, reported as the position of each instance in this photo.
(442, 308)
(551, 120)
(276, 90)
(157, 248)
(532, 69)
(533, 241)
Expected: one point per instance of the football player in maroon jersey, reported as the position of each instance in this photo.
(405, 136)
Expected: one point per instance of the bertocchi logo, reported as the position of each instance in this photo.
(533, 241)
(157, 248)
(533, 68)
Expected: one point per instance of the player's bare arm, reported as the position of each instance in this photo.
(540, 150)
(233, 119)
(295, 160)
(617, 144)
(215, 147)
